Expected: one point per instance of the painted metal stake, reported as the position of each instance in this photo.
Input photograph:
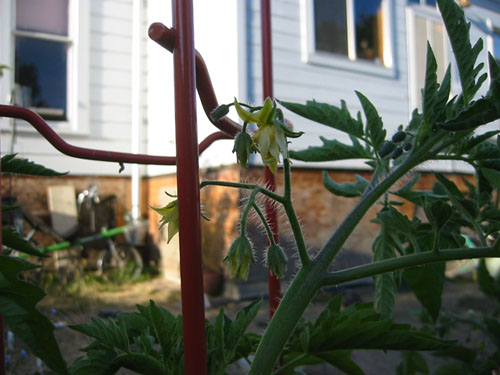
(195, 356)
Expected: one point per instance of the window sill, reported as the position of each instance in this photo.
(343, 63)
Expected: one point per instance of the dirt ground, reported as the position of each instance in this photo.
(63, 310)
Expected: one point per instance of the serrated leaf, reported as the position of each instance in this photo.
(472, 142)
(466, 207)
(12, 240)
(346, 189)
(329, 115)
(427, 283)
(466, 55)
(374, 126)
(430, 87)
(413, 363)
(385, 285)
(12, 165)
(449, 369)
(331, 150)
(106, 331)
(442, 96)
(340, 359)
(18, 301)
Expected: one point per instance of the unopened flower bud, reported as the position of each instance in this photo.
(219, 112)
(243, 148)
(399, 136)
(276, 261)
(386, 148)
(239, 257)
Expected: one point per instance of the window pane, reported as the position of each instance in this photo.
(330, 26)
(496, 44)
(413, 1)
(41, 75)
(369, 32)
(48, 16)
(431, 3)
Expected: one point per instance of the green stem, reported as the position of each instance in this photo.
(408, 261)
(292, 216)
(299, 295)
(246, 211)
(266, 225)
(289, 364)
(238, 185)
(310, 277)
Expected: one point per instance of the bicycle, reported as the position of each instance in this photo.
(95, 244)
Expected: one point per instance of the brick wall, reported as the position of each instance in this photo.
(319, 211)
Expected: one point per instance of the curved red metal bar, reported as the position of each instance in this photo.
(165, 37)
(86, 153)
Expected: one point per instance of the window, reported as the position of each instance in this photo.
(348, 34)
(353, 28)
(431, 3)
(496, 44)
(42, 46)
(424, 25)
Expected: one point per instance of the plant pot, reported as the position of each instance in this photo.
(213, 282)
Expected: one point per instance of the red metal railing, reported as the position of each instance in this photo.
(190, 74)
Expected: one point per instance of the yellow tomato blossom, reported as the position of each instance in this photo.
(269, 139)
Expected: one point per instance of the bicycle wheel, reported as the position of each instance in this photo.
(121, 262)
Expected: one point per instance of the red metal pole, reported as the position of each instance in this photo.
(195, 357)
(2, 326)
(274, 285)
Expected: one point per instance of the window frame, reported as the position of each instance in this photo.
(78, 66)
(327, 59)
(430, 14)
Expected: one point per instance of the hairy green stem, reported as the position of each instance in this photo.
(292, 216)
(238, 185)
(309, 279)
(408, 261)
(299, 295)
(266, 225)
(246, 211)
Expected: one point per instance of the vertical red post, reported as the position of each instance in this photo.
(2, 326)
(274, 285)
(195, 358)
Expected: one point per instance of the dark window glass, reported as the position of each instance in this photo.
(368, 18)
(41, 68)
(413, 1)
(431, 3)
(330, 22)
(496, 45)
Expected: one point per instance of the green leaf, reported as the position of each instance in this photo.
(385, 284)
(431, 86)
(106, 331)
(486, 281)
(12, 240)
(449, 369)
(18, 301)
(466, 55)
(340, 359)
(331, 150)
(493, 327)
(427, 283)
(442, 96)
(347, 189)
(374, 126)
(475, 141)
(12, 165)
(492, 176)
(326, 114)
(413, 363)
